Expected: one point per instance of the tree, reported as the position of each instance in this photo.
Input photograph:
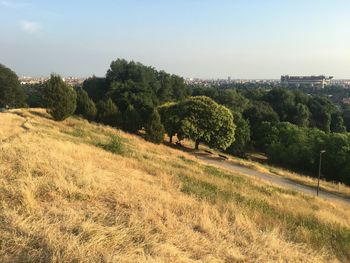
(154, 128)
(85, 106)
(169, 114)
(257, 113)
(346, 118)
(131, 120)
(321, 109)
(301, 115)
(292, 148)
(230, 98)
(34, 95)
(108, 113)
(204, 121)
(242, 134)
(60, 98)
(267, 135)
(282, 101)
(11, 93)
(337, 123)
(96, 88)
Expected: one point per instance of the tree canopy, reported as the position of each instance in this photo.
(11, 93)
(60, 98)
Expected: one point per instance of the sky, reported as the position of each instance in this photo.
(243, 39)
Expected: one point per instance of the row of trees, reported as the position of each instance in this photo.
(128, 98)
(291, 127)
(298, 148)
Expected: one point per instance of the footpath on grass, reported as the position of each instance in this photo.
(271, 178)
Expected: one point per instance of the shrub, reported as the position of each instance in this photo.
(85, 106)
(60, 98)
(155, 129)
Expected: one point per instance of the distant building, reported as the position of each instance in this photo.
(315, 81)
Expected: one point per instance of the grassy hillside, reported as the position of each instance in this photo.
(79, 192)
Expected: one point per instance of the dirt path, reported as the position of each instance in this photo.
(273, 179)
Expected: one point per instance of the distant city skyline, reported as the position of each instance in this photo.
(204, 39)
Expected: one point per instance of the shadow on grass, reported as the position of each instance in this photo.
(41, 114)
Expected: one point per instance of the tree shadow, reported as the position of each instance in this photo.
(196, 153)
(40, 114)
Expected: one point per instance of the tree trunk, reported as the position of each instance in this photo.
(197, 145)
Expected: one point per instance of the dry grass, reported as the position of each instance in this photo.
(67, 197)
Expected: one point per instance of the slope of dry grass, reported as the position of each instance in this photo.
(79, 192)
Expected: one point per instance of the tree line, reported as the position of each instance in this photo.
(288, 125)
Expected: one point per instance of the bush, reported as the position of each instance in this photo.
(60, 98)
(113, 146)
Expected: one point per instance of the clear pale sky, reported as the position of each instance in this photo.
(192, 38)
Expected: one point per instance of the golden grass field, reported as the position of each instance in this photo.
(73, 191)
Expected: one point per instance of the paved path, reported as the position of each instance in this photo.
(274, 179)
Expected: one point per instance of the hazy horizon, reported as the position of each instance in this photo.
(199, 39)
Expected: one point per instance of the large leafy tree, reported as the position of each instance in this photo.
(60, 98)
(205, 121)
(11, 93)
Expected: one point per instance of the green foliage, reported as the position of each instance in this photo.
(60, 98)
(337, 123)
(170, 116)
(132, 120)
(242, 134)
(96, 88)
(230, 98)
(346, 117)
(108, 113)
(85, 106)
(282, 101)
(298, 149)
(34, 95)
(267, 135)
(321, 109)
(301, 115)
(11, 93)
(150, 85)
(203, 120)
(114, 145)
(257, 113)
(154, 129)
